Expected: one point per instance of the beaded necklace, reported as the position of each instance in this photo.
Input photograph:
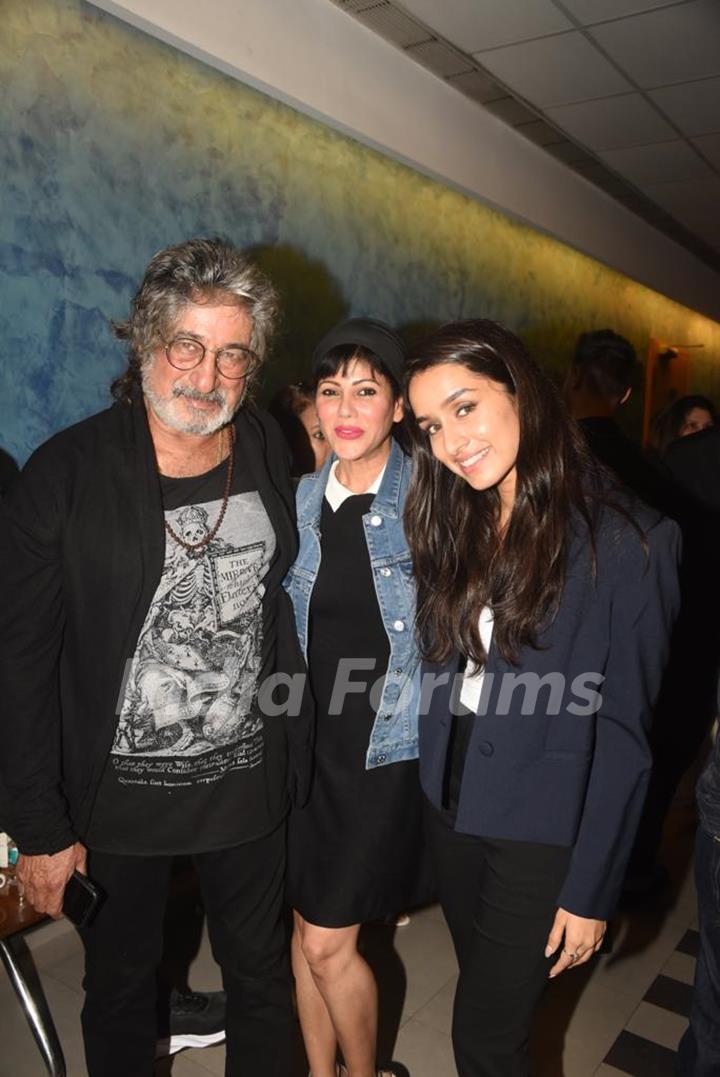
(192, 547)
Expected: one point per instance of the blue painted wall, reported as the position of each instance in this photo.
(113, 145)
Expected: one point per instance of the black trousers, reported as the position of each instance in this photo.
(242, 892)
(699, 1049)
(499, 899)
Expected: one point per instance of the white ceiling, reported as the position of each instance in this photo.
(627, 92)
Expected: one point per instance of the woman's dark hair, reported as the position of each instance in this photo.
(286, 407)
(338, 360)
(668, 424)
(462, 562)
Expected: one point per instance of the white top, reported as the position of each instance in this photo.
(473, 678)
(336, 493)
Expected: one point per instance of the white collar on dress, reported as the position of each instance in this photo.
(336, 493)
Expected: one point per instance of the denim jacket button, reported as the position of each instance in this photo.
(398, 626)
(381, 759)
(376, 520)
(385, 572)
(397, 673)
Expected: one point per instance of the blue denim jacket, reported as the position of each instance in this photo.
(394, 735)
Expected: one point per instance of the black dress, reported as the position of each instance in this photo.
(356, 849)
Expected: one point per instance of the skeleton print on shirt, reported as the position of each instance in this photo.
(189, 711)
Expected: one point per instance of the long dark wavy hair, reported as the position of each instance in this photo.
(462, 560)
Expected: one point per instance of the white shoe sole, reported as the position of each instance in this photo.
(174, 1044)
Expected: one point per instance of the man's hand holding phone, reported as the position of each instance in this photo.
(43, 878)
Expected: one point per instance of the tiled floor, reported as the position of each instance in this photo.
(625, 1014)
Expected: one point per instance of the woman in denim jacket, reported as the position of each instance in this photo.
(355, 851)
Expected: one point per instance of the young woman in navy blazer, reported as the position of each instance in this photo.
(545, 601)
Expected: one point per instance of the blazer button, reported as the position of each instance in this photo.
(486, 747)
(398, 626)
(376, 520)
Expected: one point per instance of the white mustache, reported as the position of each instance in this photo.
(217, 396)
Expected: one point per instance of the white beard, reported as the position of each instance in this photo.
(168, 408)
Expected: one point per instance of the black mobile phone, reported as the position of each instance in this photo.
(81, 900)
(608, 939)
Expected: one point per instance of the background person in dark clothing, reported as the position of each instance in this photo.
(695, 462)
(699, 1050)
(600, 380)
(685, 416)
(688, 701)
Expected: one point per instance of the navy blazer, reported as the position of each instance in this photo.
(558, 753)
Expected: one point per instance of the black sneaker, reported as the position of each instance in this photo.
(197, 1019)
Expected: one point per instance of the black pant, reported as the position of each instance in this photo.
(499, 899)
(243, 894)
(699, 1050)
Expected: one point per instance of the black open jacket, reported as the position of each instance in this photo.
(82, 546)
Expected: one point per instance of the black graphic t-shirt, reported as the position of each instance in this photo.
(187, 769)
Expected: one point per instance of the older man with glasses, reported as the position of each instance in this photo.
(143, 552)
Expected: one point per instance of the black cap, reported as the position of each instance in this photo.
(377, 337)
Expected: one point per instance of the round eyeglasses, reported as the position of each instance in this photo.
(234, 362)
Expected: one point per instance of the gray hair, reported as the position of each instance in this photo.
(197, 269)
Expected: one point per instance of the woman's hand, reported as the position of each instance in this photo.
(578, 937)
